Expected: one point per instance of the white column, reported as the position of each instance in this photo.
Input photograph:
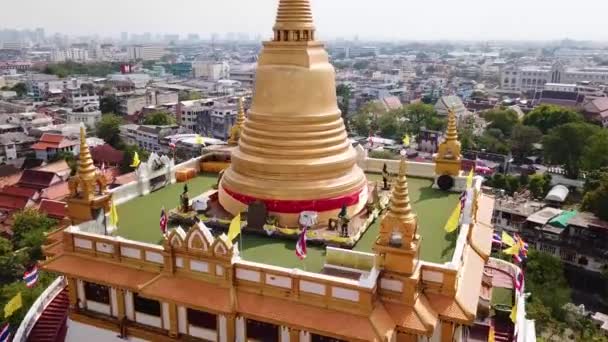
(82, 300)
(284, 334)
(240, 329)
(223, 327)
(165, 314)
(129, 312)
(182, 319)
(304, 336)
(113, 302)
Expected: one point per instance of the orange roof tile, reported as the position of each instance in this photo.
(469, 285)
(100, 272)
(447, 308)
(54, 209)
(58, 191)
(181, 289)
(420, 318)
(343, 325)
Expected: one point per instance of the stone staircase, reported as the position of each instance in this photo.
(51, 326)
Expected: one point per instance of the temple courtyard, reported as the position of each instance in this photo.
(139, 220)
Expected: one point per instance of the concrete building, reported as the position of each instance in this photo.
(223, 118)
(146, 52)
(80, 96)
(70, 54)
(87, 116)
(244, 73)
(150, 138)
(15, 145)
(532, 78)
(211, 70)
(194, 115)
(50, 144)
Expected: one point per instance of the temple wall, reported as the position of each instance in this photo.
(78, 332)
(414, 169)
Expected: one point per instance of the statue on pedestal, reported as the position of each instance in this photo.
(344, 221)
(185, 200)
(385, 176)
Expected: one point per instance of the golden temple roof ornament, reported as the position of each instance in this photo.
(235, 131)
(398, 241)
(293, 152)
(448, 158)
(88, 189)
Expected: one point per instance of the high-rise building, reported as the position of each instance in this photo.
(146, 52)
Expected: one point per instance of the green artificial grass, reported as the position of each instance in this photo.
(138, 220)
(502, 296)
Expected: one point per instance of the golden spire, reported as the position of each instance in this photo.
(294, 21)
(240, 118)
(400, 207)
(452, 131)
(86, 169)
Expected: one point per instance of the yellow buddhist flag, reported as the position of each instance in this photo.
(513, 250)
(470, 178)
(406, 140)
(136, 160)
(454, 219)
(235, 227)
(507, 239)
(113, 215)
(513, 315)
(200, 140)
(13, 305)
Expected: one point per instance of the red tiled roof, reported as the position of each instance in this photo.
(36, 179)
(13, 203)
(18, 192)
(53, 141)
(58, 191)
(54, 209)
(106, 154)
(52, 138)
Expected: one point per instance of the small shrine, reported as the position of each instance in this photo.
(89, 197)
(448, 160)
(235, 131)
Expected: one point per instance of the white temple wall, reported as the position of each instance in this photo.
(78, 332)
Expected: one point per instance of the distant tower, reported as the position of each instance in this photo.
(448, 159)
(398, 242)
(293, 153)
(235, 131)
(89, 195)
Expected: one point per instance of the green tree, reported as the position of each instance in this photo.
(159, 119)
(523, 138)
(20, 88)
(391, 126)
(343, 91)
(502, 119)
(596, 200)
(543, 269)
(108, 129)
(546, 117)
(109, 104)
(11, 263)
(565, 144)
(28, 295)
(361, 124)
(361, 65)
(595, 154)
(189, 95)
(422, 115)
(28, 231)
(539, 185)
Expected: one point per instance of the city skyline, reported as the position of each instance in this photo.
(440, 19)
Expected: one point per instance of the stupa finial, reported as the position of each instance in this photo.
(400, 200)
(452, 131)
(294, 21)
(86, 169)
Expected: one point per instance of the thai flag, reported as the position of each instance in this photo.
(31, 277)
(497, 239)
(5, 334)
(163, 221)
(301, 245)
(519, 280)
(463, 200)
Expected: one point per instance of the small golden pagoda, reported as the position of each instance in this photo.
(398, 243)
(448, 159)
(235, 131)
(88, 190)
(293, 153)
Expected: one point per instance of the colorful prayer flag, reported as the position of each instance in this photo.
(136, 160)
(454, 219)
(470, 178)
(513, 250)
(31, 277)
(301, 244)
(13, 305)
(513, 315)
(235, 227)
(163, 221)
(496, 239)
(199, 140)
(113, 215)
(507, 239)
(406, 140)
(5, 333)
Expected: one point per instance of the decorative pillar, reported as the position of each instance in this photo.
(304, 336)
(120, 303)
(227, 328)
(447, 331)
(294, 335)
(173, 322)
(284, 334)
(82, 300)
(72, 293)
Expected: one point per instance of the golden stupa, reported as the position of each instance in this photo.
(293, 153)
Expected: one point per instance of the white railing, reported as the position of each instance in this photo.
(36, 310)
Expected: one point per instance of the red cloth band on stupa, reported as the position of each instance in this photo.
(297, 206)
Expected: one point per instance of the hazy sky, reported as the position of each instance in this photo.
(399, 19)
